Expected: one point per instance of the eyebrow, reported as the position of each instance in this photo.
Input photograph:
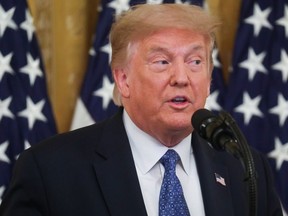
(192, 48)
(158, 49)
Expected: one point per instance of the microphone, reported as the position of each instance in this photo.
(222, 133)
(214, 129)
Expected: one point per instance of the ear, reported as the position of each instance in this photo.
(120, 77)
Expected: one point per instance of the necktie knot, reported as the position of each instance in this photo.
(169, 160)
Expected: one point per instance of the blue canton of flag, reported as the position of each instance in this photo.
(215, 101)
(25, 112)
(95, 101)
(258, 87)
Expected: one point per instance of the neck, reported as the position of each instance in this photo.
(171, 138)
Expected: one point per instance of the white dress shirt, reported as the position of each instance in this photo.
(146, 152)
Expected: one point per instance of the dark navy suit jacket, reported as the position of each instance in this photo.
(91, 172)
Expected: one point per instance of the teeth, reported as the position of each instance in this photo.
(179, 99)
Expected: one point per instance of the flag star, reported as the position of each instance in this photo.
(284, 20)
(33, 112)
(180, 2)
(92, 51)
(81, 117)
(211, 102)
(259, 19)
(254, 63)
(99, 8)
(108, 50)
(249, 107)
(26, 146)
(156, 1)
(282, 65)
(3, 149)
(28, 26)
(5, 65)
(119, 5)
(6, 20)
(32, 69)
(2, 189)
(280, 153)
(105, 92)
(230, 69)
(4, 108)
(281, 109)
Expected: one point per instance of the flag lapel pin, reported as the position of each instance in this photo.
(219, 179)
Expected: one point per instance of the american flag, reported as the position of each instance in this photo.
(95, 101)
(220, 179)
(215, 101)
(257, 95)
(25, 111)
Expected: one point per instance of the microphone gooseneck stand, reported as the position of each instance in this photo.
(246, 161)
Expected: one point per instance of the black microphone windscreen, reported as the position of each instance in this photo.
(199, 117)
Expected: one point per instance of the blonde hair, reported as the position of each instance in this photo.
(142, 20)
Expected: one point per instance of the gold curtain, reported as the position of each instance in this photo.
(65, 29)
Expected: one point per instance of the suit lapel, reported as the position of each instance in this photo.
(116, 172)
(214, 178)
(117, 177)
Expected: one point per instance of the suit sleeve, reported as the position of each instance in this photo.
(26, 194)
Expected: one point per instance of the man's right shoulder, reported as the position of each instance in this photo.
(76, 140)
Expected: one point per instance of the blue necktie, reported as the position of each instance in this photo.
(172, 201)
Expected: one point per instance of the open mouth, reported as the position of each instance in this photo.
(179, 100)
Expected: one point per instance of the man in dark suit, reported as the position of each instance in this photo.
(124, 166)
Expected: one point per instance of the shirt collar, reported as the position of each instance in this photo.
(147, 150)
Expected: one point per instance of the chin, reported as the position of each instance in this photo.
(180, 124)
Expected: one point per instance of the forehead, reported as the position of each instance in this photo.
(174, 39)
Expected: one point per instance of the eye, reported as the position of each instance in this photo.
(159, 65)
(197, 62)
(161, 62)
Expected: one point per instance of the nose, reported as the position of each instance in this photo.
(179, 75)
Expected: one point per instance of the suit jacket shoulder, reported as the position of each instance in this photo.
(89, 171)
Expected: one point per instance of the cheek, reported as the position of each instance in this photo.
(145, 81)
(139, 86)
(146, 89)
(147, 94)
(202, 87)
(206, 87)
